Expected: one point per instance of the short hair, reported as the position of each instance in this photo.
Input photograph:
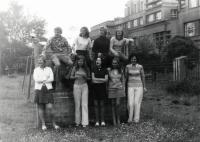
(104, 29)
(58, 29)
(87, 32)
(131, 56)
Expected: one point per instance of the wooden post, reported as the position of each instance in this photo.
(27, 60)
(30, 76)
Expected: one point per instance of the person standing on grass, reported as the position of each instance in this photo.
(83, 44)
(99, 80)
(116, 89)
(80, 73)
(43, 77)
(134, 73)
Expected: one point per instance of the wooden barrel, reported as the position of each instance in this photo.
(64, 107)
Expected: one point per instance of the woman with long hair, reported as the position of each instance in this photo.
(118, 45)
(116, 89)
(99, 79)
(83, 44)
(80, 74)
(134, 73)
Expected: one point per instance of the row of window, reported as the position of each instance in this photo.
(193, 3)
(192, 28)
(140, 21)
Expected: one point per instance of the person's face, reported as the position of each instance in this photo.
(133, 60)
(57, 32)
(80, 62)
(115, 64)
(41, 62)
(83, 31)
(119, 33)
(98, 62)
(102, 32)
(108, 35)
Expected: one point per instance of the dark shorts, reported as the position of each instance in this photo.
(43, 96)
(99, 91)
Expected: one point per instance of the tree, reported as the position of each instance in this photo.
(20, 26)
(182, 46)
(16, 31)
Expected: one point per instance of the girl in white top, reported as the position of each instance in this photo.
(43, 77)
(83, 44)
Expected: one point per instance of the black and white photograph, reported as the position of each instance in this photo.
(100, 71)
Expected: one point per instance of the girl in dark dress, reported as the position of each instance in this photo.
(99, 79)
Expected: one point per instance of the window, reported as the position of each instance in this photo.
(150, 18)
(158, 16)
(141, 22)
(141, 5)
(174, 13)
(129, 25)
(193, 3)
(192, 28)
(135, 23)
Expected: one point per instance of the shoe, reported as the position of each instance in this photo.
(44, 128)
(103, 124)
(97, 124)
(56, 127)
(84, 126)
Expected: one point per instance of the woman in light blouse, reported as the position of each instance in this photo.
(83, 45)
(43, 77)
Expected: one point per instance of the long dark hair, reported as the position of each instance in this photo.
(85, 67)
(87, 32)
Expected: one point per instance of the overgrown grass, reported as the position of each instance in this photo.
(186, 87)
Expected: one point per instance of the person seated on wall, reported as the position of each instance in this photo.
(101, 47)
(82, 45)
(58, 49)
(119, 45)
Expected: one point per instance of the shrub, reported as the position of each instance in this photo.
(188, 87)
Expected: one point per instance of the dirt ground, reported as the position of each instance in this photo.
(17, 121)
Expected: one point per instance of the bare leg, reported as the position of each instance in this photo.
(118, 110)
(113, 112)
(49, 108)
(41, 109)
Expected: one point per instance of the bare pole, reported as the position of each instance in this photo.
(30, 77)
(27, 60)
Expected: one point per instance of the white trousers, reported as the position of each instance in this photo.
(81, 103)
(135, 95)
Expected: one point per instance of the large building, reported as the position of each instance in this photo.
(159, 19)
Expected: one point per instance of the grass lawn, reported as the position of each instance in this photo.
(17, 123)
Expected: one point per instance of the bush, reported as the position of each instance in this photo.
(188, 87)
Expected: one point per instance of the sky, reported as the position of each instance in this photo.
(71, 15)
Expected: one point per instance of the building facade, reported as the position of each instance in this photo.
(159, 19)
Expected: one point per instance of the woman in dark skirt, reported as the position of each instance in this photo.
(43, 77)
(99, 79)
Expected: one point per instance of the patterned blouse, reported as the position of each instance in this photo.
(58, 45)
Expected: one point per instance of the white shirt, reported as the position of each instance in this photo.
(82, 43)
(43, 76)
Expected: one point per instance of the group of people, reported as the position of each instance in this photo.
(105, 63)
